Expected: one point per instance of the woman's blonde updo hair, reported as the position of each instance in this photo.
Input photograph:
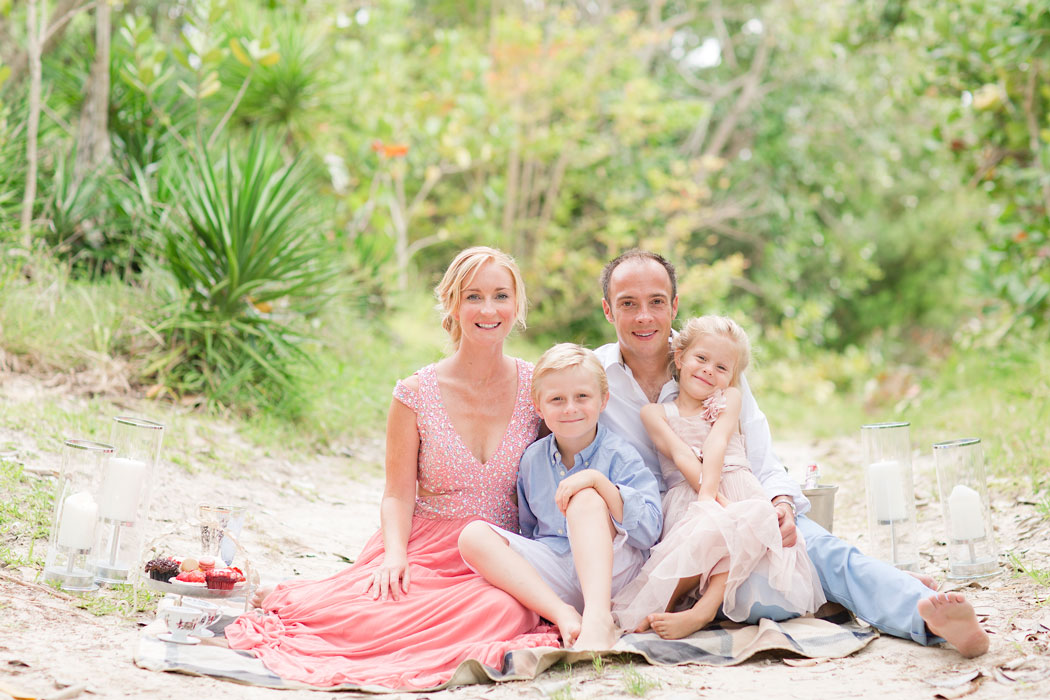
(714, 325)
(449, 291)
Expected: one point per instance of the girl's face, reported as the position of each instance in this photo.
(709, 364)
(487, 306)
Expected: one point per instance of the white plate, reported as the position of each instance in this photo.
(167, 637)
(197, 590)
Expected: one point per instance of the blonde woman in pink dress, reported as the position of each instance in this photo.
(719, 525)
(409, 610)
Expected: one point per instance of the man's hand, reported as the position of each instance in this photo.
(786, 520)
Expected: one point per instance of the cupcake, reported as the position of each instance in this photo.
(220, 579)
(162, 569)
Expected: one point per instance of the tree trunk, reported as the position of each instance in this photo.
(65, 10)
(93, 138)
(33, 25)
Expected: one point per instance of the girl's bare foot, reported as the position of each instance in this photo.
(950, 615)
(643, 627)
(260, 595)
(597, 633)
(926, 580)
(569, 622)
(676, 625)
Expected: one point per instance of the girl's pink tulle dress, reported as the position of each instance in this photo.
(330, 632)
(703, 538)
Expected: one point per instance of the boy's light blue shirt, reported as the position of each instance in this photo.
(541, 471)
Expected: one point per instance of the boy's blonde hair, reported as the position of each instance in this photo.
(565, 356)
(714, 325)
(461, 270)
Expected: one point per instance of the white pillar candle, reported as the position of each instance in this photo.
(121, 488)
(886, 482)
(76, 530)
(967, 513)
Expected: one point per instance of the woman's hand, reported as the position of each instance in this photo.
(391, 575)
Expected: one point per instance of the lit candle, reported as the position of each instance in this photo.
(76, 530)
(967, 513)
(887, 490)
(121, 487)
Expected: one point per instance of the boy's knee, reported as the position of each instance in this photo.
(586, 501)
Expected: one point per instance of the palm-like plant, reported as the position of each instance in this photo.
(250, 265)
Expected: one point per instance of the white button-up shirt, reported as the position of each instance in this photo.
(623, 415)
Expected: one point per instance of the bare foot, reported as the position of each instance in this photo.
(951, 616)
(676, 625)
(260, 595)
(643, 627)
(928, 581)
(569, 622)
(597, 633)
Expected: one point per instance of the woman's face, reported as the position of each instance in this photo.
(487, 306)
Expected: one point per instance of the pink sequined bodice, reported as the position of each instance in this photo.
(452, 482)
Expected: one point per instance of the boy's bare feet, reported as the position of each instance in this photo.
(950, 615)
(569, 622)
(926, 580)
(676, 625)
(260, 595)
(597, 633)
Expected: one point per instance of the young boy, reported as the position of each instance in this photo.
(588, 507)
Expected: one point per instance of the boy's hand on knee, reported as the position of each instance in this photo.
(571, 486)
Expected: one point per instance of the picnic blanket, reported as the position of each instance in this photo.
(834, 634)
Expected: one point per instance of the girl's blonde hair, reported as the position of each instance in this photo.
(449, 291)
(565, 356)
(724, 326)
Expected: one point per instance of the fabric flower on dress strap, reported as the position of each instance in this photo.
(713, 406)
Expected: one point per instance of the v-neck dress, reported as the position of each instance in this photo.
(330, 632)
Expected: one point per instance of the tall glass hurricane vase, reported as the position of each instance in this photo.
(890, 493)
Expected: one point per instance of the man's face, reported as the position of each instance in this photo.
(641, 308)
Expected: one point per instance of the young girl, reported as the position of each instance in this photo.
(719, 525)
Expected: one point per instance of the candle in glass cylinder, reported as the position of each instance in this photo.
(76, 530)
(121, 487)
(964, 506)
(885, 481)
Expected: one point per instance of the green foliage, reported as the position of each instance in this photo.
(248, 261)
(1038, 576)
(25, 515)
(991, 56)
(120, 599)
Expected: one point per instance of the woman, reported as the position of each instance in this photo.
(409, 611)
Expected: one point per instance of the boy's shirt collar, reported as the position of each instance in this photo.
(583, 455)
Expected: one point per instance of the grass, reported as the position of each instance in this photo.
(120, 599)
(637, 684)
(1000, 394)
(25, 516)
(1039, 576)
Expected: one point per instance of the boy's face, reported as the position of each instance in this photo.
(570, 400)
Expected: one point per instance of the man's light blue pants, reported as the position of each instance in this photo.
(880, 594)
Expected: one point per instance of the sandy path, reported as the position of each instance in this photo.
(305, 512)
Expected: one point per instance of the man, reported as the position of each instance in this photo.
(640, 299)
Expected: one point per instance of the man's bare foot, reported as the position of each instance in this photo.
(260, 595)
(676, 625)
(926, 580)
(569, 623)
(950, 615)
(597, 633)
